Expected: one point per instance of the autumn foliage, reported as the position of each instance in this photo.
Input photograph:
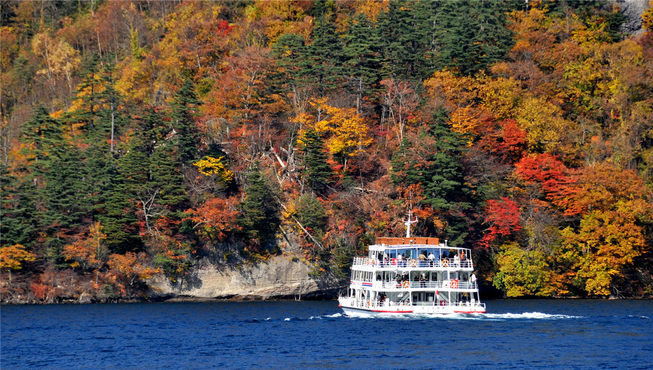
(146, 137)
(504, 219)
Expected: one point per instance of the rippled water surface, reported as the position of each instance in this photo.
(514, 333)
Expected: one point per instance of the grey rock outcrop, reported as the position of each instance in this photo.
(280, 277)
(632, 10)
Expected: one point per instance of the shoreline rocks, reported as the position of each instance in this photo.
(281, 277)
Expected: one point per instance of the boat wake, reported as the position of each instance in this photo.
(507, 316)
(531, 316)
(483, 317)
(479, 317)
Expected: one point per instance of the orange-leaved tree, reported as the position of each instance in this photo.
(129, 269)
(89, 252)
(215, 218)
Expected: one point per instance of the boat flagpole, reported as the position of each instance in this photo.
(409, 221)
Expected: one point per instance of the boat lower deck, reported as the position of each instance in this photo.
(415, 310)
(350, 305)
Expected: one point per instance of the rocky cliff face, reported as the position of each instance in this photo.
(632, 10)
(280, 277)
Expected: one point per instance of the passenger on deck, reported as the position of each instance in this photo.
(431, 259)
(472, 280)
(456, 260)
(400, 259)
(422, 281)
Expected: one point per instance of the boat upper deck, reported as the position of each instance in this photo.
(415, 252)
(391, 241)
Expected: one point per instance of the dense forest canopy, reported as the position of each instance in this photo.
(138, 137)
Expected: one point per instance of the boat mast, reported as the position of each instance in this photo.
(408, 221)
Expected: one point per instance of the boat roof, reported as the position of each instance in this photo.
(387, 243)
(410, 240)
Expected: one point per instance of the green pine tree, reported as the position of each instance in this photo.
(65, 190)
(437, 167)
(166, 178)
(19, 222)
(469, 36)
(42, 133)
(43, 138)
(259, 215)
(99, 107)
(325, 57)
(118, 213)
(184, 115)
(292, 75)
(312, 215)
(319, 174)
(89, 94)
(405, 34)
(363, 59)
(150, 178)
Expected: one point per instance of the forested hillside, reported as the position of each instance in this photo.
(138, 137)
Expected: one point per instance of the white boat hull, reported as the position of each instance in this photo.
(410, 310)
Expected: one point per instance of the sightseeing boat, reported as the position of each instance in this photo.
(412, 275)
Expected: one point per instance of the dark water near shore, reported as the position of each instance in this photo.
(514, 333)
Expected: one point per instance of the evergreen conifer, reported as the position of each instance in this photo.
(363, 59)
(439, 172)
(470, 35)
(18, 220)
(184, 114)
(319, 174)
(325, 56)
(405, 35)
(260, 213)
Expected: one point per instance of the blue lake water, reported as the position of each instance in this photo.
(514, 334)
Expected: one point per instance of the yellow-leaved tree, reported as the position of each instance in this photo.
(522, 272)
(615, 204)
(346, 132)
(58, 57)
(14, 257)
(210, 166)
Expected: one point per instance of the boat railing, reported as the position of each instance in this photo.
(413, 263)
(398, 306)
(451, 284)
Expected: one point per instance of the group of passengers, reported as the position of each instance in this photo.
(403, 261)
(403, 277)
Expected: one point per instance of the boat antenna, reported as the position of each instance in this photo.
(409, 221)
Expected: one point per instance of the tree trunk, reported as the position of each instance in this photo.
(113, 115)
